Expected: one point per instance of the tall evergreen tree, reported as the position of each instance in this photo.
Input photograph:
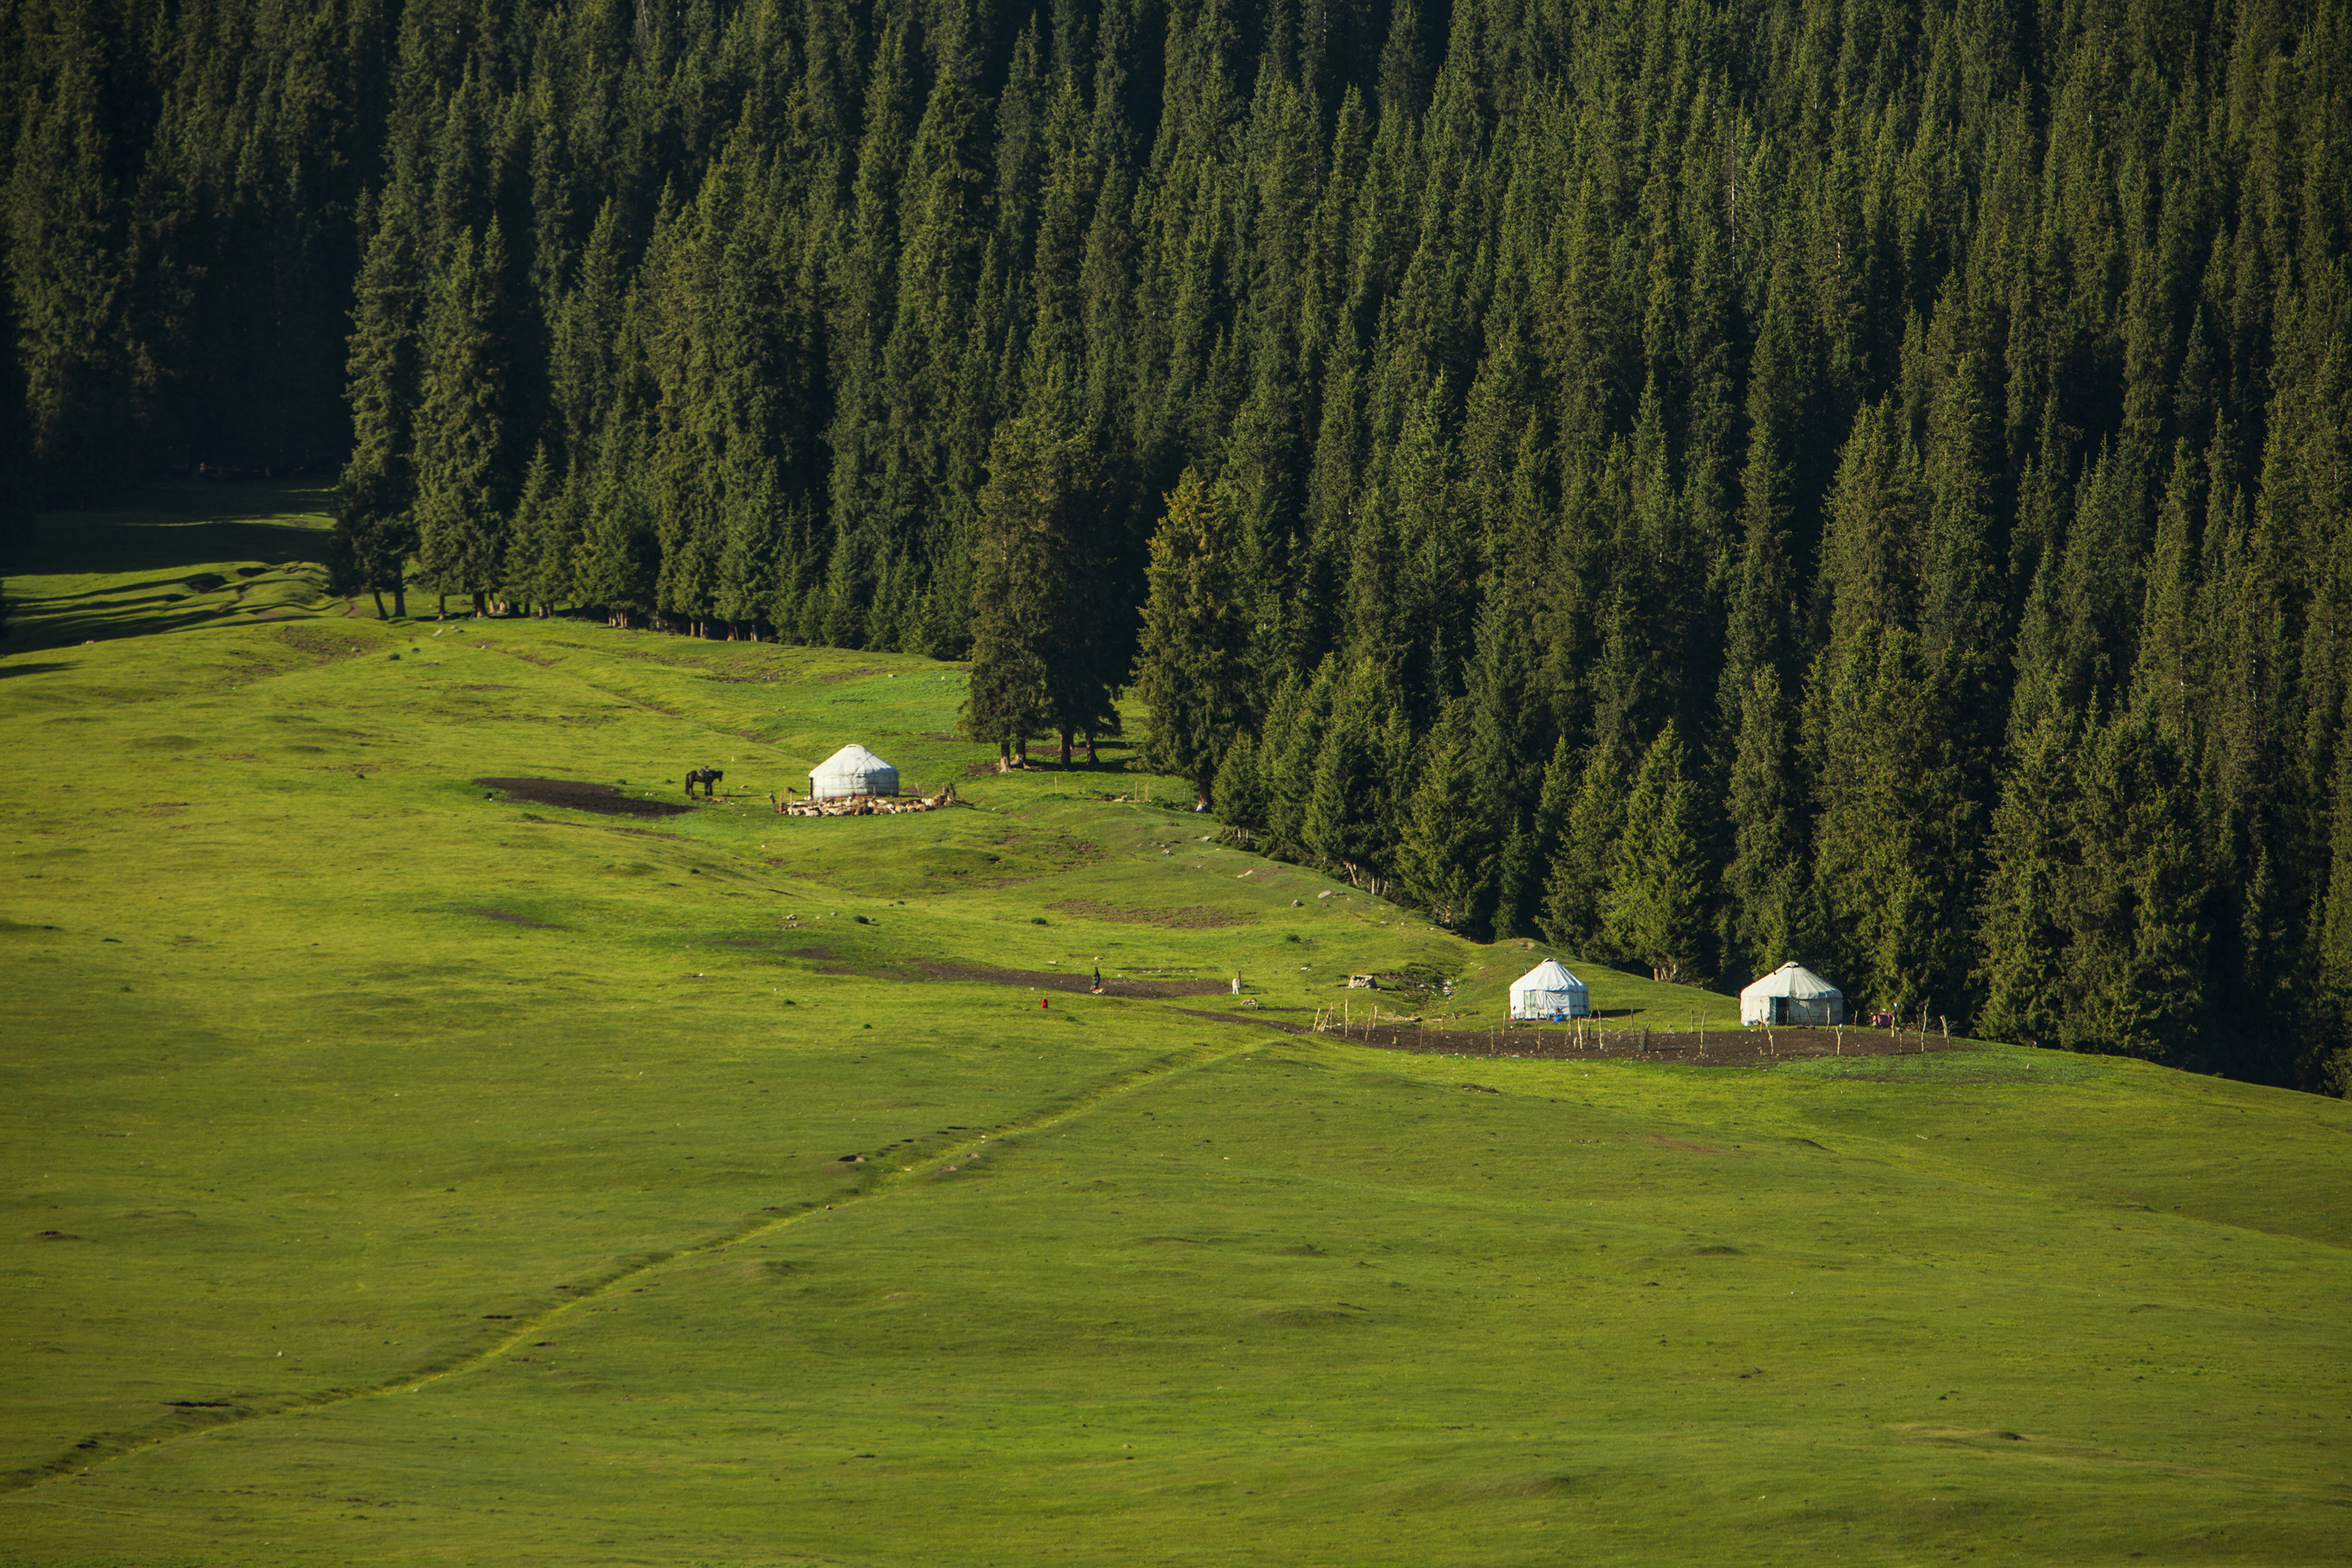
(1038, 655)
(1575, 911)
(1192, 667)
(66, 262)
(375, 529)
(1656, 905)
(2135, 966)
(1361, 771)
(1768, 917)
(1445, 856)
(463, 483)
(2022, 934)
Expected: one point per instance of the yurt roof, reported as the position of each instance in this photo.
(1548, 976)
(851, 762)
(1792, 979)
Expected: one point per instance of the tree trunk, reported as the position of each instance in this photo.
(379, 605)
(481, 605)
(400, 600)
(1021, 753)
(1093, 761)
(1066, 748)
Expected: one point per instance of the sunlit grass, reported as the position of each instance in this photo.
(402, 1171)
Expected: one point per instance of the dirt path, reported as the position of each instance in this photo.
(193, 1418)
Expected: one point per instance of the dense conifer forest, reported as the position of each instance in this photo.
(1861, 481)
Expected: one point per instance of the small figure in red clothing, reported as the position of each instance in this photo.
(1042, 1004)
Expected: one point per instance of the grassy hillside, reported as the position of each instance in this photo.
(399, 1169)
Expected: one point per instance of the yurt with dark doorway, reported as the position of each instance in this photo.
(1549, 992)
(1793, 995)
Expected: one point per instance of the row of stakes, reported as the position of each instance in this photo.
(1586, 1033)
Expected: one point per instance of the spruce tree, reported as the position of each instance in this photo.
(2021, 930)
(1895, 835)
(617, 567)
(1039, 654)
(375, 529)
(538, 558)
(65, 261)
(2330, 1066)
(1574, 906)
(16, 495)
(1239, 789)
(752, 527)
(463, 486)
(1655, 910)
(1358, 773)
(1768, 898)
(1192, 668)
(1294, 725)
(1530, 850)
(2135, 968)
(1446, 857)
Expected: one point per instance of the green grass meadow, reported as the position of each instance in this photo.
(399, 1171)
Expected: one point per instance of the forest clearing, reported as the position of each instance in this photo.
(400, 1172)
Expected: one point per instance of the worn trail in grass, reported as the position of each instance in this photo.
(399, 1171)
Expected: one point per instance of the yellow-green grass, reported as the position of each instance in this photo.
(390, 1227)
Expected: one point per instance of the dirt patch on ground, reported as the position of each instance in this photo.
(319, 643)
(775, 945)
(1047, 980)
(1724, 1047)
(1714, 1048)
(1195, 918)
(573, 795)
(510, 918)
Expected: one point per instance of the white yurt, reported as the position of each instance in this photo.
(1792, 995)
(851, 771)
(1548, 991)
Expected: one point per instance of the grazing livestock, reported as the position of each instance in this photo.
(706, 777)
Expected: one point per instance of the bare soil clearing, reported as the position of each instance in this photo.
(575, 796)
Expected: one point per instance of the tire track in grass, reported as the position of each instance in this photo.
(197, 1418)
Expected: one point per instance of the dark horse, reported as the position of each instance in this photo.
(706, 777)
